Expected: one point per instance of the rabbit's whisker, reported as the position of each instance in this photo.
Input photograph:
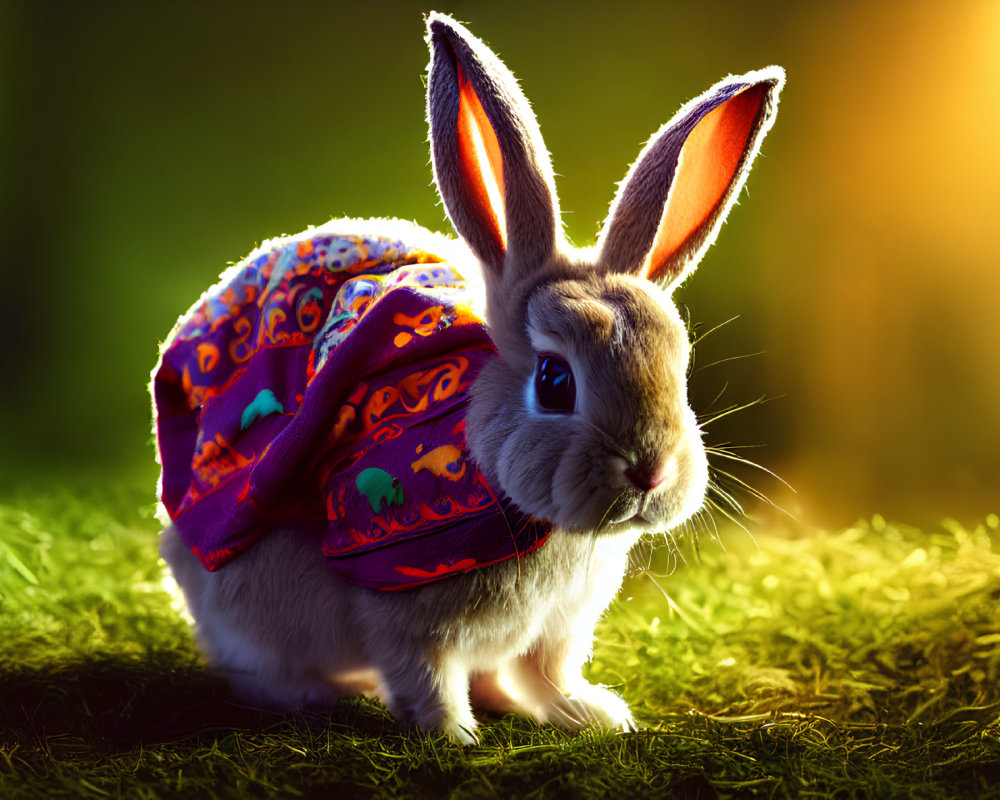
(726, 361)
(707, 522)
(715, 400)
(726, 451)
(721, 477)
(710, 331)
(604, 519)
(705, 421)
(720, 510)
(590, 551)
(672, 604)
(729, 500)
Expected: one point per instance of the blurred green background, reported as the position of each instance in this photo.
(145, 145)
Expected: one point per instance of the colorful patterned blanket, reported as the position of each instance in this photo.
(322, 384)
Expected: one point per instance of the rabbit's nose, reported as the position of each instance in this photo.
(645, 478)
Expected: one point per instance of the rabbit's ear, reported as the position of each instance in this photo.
(676, 196)
(490, 164)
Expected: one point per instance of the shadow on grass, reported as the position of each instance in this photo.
(109, 706)
(110, 711)
(102, 710)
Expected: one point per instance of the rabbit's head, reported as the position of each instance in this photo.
(583, 418)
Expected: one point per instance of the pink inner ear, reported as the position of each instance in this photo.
(480, 162)
(708, 164)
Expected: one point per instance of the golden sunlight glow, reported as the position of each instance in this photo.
(893, 239)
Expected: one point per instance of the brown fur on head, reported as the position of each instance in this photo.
(627, 454)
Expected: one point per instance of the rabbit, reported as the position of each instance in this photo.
(571, 419)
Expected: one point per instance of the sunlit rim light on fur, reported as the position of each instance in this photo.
(177, 602)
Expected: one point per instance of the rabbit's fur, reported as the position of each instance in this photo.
(513, 636)
(284, 632)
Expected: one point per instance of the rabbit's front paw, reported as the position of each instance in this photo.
(460, 728)
(562, 697)
(463, 733)
(434, 698)
(589, 706)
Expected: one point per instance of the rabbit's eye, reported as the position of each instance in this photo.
(554, 384)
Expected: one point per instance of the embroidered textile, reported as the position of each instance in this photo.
(323, 382)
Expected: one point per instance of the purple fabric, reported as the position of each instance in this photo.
(323, 382)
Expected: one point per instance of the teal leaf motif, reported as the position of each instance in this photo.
(263, 405)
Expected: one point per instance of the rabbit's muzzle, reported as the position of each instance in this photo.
(658, 497)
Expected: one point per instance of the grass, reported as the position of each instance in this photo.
(860, 663)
